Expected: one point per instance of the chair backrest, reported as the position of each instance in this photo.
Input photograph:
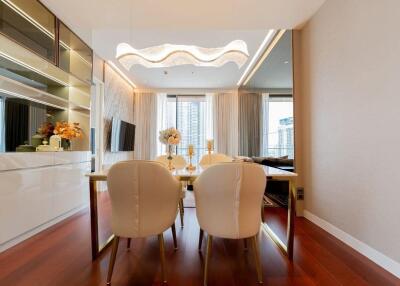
(178, 161)
(141, 205)
(228, 199)
(214, 158)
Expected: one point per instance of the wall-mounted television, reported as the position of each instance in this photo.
(122, 136)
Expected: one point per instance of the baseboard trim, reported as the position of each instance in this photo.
(20, 238)
(377, 257)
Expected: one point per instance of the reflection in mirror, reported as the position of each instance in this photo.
(274, 82)
(23, 123)
(104, 216)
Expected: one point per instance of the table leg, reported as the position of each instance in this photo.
(94, 226)
(291, 218)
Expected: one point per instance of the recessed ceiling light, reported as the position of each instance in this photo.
(168, 55)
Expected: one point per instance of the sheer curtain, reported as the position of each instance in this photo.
(162, 121)
(226, 123)
(37, 116)
(146, 125)
(2, 125)
(209, 116)
(264, 125)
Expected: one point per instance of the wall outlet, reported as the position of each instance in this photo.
(300, 194)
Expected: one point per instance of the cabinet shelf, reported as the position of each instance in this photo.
(18, 54)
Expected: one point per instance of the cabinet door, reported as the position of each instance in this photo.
(71, 187)
(75, 56)
(25, 201)
(30, 24)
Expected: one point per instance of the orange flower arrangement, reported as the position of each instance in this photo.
(67, 130)
(46, 129)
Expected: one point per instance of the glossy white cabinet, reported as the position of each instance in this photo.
(38, 190)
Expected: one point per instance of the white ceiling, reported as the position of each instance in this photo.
(103, 24)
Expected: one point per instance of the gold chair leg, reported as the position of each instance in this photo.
(112, 259)
(245, 244)
(162, 257)
(173, 229)
(262, 212)
(208, 255)
(128, 244)
(256, 253)
(201, 235)
(181, 211)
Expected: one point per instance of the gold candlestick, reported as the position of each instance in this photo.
(191, 153)
(210, 146)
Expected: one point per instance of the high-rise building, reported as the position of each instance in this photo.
(285, 137)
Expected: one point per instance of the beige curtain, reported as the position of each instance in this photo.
(250, 116)
(225, 121)
(146, 125)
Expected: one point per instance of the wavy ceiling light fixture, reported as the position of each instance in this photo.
(169, 55)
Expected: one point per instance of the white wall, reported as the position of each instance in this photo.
(350, 117)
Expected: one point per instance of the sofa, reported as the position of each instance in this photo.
(278, 191)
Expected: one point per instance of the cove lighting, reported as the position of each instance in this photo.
(10, 58)
(121, 73)
(264, 43)
(169, 55)
(35, 23)
(30, 98)
(270, 47)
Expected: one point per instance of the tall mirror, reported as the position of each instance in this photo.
(273, 83)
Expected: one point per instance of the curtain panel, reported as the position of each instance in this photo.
(264, 125)
(225, 121)
(146, 125)
(17, 114)
(37, 115)
(162, 122)
(250, 123)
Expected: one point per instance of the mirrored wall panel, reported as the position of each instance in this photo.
(75, 55)
(271, 88)
(274, 81)
(25, 124)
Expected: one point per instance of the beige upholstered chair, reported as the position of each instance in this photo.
(178, 162)
(228, 199)
(210, 159)
(141, 206)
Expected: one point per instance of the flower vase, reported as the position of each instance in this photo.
(66, 144)
(170, 166)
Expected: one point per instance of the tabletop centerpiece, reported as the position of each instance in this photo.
(191, 153)
(170, 137)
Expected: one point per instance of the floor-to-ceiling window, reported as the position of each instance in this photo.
(189, 114)
(278, 126)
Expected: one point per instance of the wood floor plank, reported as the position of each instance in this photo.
(61, 256)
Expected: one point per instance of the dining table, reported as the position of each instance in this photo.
(189, 176)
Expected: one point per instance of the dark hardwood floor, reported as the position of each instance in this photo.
(61, 256)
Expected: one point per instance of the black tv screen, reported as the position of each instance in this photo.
(122, 136)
